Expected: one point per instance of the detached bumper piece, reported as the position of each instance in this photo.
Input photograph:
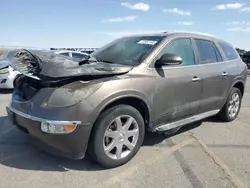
(65, 138)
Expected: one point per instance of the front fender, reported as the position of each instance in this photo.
(121, 95)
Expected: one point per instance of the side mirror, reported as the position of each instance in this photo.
(169, 59)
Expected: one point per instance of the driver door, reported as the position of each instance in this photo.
(178, 86)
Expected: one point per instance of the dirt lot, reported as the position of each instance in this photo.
(208, 154)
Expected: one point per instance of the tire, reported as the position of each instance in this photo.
(99, 139)
(224, 114)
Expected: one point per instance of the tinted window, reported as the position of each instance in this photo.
(219, 58)
(77, 55)
(229, 51)
(65, 53)
(206, 51)
(128, 50)
(182, 48)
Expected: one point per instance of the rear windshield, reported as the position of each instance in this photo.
(129, 51)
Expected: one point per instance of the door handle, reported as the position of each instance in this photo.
(195, 79)
(224, 74)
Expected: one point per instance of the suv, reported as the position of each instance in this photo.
(105, 103)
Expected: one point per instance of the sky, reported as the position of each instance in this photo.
(93, 23)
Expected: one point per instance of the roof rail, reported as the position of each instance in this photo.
(190, 32)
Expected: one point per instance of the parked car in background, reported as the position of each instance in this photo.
(240, 51)
(7, 74)
(88, 50)
(155, 82)
(246, 58)
(74, 54)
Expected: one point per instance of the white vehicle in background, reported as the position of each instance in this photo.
(74, 54)
(7, 74)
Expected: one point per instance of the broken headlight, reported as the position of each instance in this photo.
(72, 94)
(4, 71)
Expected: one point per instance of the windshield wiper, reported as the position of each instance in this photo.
(106, 61)
(87, 60)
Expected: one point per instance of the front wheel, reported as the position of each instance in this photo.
(232, 107)
(117, 136)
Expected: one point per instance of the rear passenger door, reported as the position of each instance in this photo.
(211, 69)
(230, 68)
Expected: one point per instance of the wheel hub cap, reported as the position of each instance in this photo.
(121, 137)
(234, 105)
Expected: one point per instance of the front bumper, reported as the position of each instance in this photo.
(71, 145)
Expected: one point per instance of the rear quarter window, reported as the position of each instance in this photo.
(207, 52)
(229, 51)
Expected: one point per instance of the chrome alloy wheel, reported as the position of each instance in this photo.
(234, 105)
(121, 137)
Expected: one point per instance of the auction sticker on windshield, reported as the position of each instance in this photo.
(150, 42)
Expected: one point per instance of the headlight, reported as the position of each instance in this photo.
(72, 94)
(58, 127)
(4, 71)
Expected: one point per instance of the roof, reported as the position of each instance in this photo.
(179, 33)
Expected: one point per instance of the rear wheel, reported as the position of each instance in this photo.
(117, 136)
(232, 107)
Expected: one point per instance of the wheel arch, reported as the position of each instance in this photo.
(133, 100)
(240, 85)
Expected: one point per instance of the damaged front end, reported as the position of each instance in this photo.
(68, 81)
(50, 97)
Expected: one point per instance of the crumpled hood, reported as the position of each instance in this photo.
(40, 64)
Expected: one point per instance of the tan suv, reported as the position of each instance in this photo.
(106, 102)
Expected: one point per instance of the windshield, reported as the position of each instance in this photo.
(128, 51)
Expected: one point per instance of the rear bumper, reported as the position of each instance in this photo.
(71, 145)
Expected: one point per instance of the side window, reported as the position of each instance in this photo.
(184, 49)
(65, 53)
(229, 51)
(77, 55)
(207, 52)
